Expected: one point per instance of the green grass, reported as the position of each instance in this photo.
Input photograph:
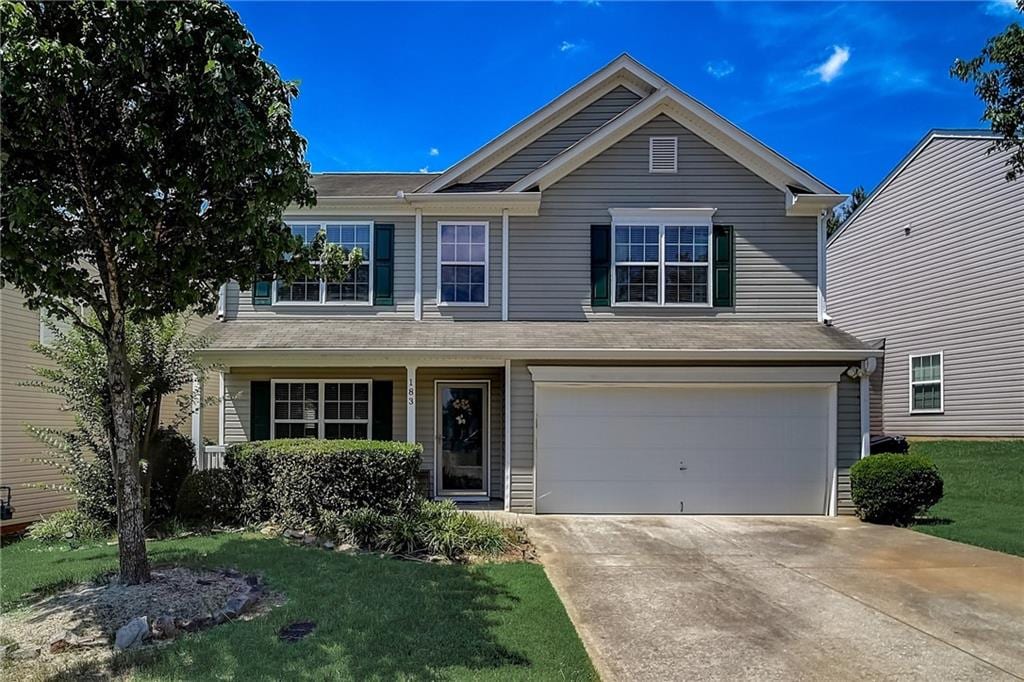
(377, 619)
(983, 503)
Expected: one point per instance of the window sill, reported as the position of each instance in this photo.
(915, 412)
(331, 304)
(455, 304)
(661, 305)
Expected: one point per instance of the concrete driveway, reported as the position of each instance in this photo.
(723, 598)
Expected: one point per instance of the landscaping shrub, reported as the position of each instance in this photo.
(210, 496)
(296, 481)
(170, 460)
(69, 524)
(893, 489)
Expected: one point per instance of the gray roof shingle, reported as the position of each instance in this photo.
(368, 184)
(407, 335)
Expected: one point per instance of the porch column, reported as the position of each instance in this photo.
(410, 403)
(197, 418)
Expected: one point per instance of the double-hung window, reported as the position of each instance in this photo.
(926, 383)
(357, 287)
(462, 263)
(321, 409)
(662, 257)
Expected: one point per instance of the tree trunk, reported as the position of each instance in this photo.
(131, 533)
(148, 436)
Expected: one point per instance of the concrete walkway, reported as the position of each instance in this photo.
(725, 598)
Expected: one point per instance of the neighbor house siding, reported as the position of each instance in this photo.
(426, 415)
(776, 255)
(953, 284)
(561, 136)
(848, 439)
(22, 405)
(239, 298)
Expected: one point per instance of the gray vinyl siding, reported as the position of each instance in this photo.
(955, 284)
(776, 255)
(239, 298)
(237, 393)
(521, 395)
(431, 309)
(847, 440)
(561, 136)
(426, 401)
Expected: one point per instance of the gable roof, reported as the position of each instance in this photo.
(696, 117)
(367, 184)
(935, 133)
(621, 71)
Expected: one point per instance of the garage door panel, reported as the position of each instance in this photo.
(618, 449)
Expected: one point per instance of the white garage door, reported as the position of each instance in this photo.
(618, 449)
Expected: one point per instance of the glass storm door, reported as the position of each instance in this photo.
(461, 436)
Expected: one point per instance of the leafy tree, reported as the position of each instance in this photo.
(838, 216)
(148, 156)
(161, 354)
(998, 77)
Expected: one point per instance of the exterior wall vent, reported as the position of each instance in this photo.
(663, 154)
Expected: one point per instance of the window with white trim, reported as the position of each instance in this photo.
(668, 263)
(462, 263)
(926, 383)
(357, 287)
(321, 409)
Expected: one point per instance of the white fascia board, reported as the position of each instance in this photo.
(369, 357)
(623, 70)
(694, 116)
(447, 204)
(683, 375)
(812, 204)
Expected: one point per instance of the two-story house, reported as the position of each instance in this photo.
(615, 306)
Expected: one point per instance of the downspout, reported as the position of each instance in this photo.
(222, 302)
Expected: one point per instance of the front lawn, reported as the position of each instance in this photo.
(376, 619)
(983, 503)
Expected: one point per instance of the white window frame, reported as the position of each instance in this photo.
(487, 263)
(320, 404)
(941, 381)
(367, 260)
(662, 218)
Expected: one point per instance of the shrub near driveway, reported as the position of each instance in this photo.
(297, 480)
(894, 489)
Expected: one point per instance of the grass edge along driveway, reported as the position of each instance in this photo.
(983, 504)
(377, 619)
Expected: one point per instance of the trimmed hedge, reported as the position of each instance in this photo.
(893, 489)
(210, 495)
(296, 480)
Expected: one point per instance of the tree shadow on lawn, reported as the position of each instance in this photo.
(375, 618)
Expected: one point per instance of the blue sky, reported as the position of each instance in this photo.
(844, 90)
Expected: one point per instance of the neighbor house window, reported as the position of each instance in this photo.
(357, 286)
(667, 262)
(926, 383)
(462, 263)
(321, 409)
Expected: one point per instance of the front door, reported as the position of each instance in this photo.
(461, 437)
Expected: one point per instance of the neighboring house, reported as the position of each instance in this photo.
(932, 266)
(613, 307)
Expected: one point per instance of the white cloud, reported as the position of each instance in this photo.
(720, 69)
(566, 46)
(424, 170)
(434, 151)
(833, 66)
(1001, 8)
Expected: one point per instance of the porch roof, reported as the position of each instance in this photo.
(633, 339)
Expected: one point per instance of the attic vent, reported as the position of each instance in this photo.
(663, 154)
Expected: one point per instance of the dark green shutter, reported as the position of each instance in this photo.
(382, 395)
(600, 265)
(723, 265)
(383, 264)
(261, 290)
(259, 410)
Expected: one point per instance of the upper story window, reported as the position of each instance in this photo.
(462, 262)
(321, 409)
(357, 287)
(926, 383)
(661, 259)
